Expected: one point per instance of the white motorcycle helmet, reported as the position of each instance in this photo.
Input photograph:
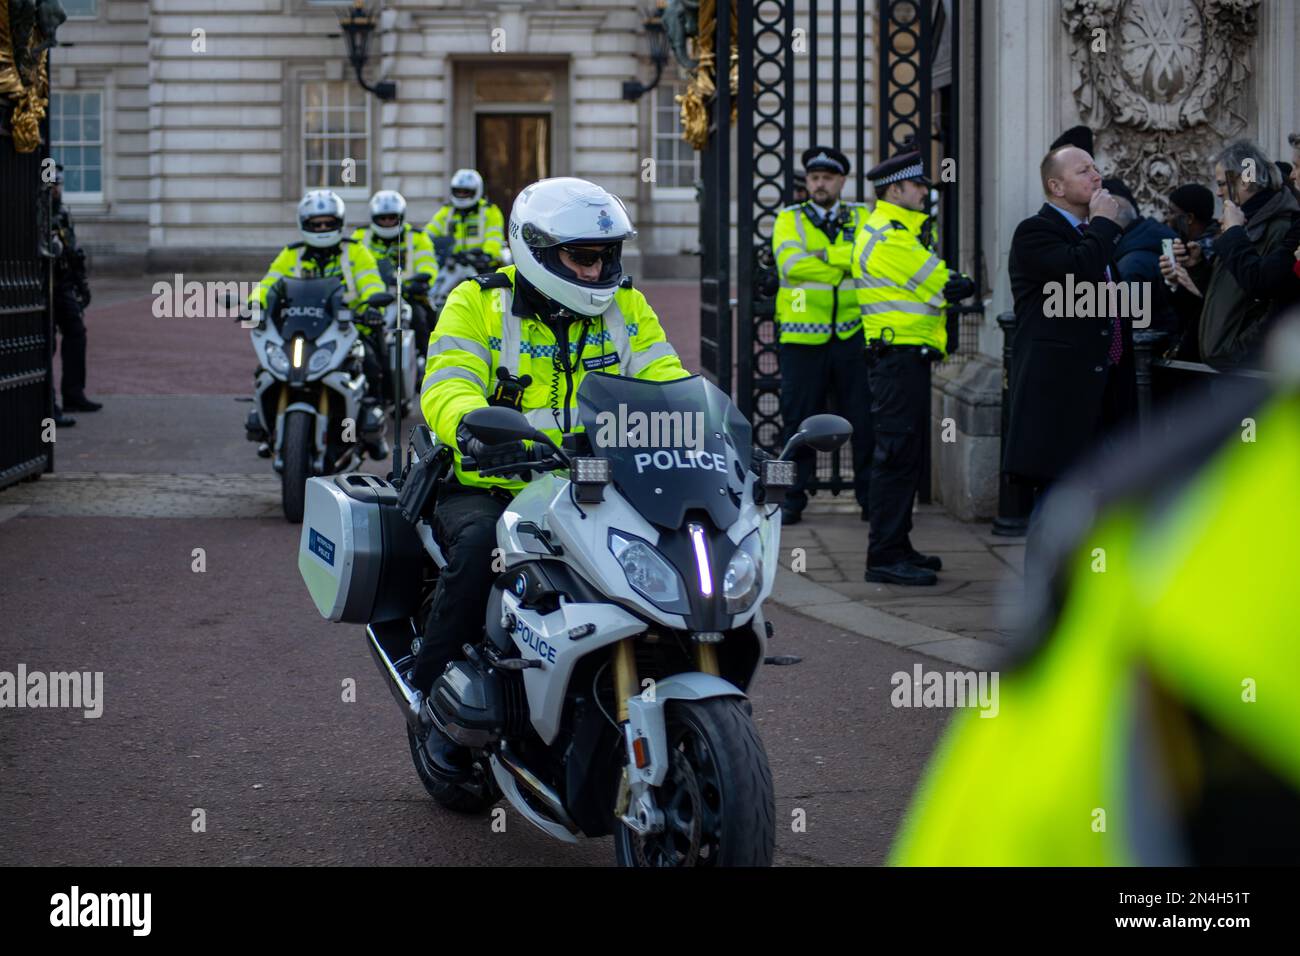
(469, 184)
(387, 202)
(321, 202)
(566, 211)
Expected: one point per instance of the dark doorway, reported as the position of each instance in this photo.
(511, 151)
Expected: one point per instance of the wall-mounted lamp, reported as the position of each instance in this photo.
(633, 90)
(358, 24)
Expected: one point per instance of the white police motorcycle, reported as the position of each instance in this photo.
(309, 386)
(405, 364)
(607, 693)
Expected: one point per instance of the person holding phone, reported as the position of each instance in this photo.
(1253, 278)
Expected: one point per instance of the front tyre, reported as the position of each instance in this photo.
(717, 798)
(297, 463)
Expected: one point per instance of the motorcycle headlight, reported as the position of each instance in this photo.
(649, 572)
(320, 359)
(276, 358)
(744, 575)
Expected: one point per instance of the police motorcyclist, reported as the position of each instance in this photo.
(324, 251)
(562, 310)
(407, 249)
(71, 296)
(471, 227)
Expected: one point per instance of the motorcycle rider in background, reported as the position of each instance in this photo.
(565, 308)
(324, 252)
(469, 220)
(409, 250)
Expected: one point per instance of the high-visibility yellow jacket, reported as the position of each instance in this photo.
(1092, 751)
(479, 227)
(353, 262)
(478, 331)
(817, 294)
(899, 281)
(412, 251)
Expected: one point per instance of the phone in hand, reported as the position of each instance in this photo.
(1167, 250)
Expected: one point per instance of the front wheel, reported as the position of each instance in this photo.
(297, 463)
(717, 799)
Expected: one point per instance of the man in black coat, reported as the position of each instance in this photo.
(1072, 372)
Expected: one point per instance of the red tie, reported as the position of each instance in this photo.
(1116, 351)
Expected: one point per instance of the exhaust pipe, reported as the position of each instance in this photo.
(406, 695)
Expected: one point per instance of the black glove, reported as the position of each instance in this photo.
(83, 293)
(483, 456)
(370, 318)
(958, 287)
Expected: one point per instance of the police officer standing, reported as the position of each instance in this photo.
(71, 296)
(818, 321)
(903, 293)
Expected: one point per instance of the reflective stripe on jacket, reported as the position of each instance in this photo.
(478, 227)
(477, 333)
(817, 291)
(899, 281)
(413, 253)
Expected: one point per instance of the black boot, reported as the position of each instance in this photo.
(446, 758)
(81, 403)
(901, 573)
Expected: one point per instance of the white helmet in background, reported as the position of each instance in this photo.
(466, 188)
(321, 202)
(564, 211)
(387, 202)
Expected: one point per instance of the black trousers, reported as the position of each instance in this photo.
(900, 387)
(420, 325)
(465, 522)
(810, 374)
(68, 319)
(375, 364)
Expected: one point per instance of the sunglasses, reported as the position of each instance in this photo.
(462, 193)
(322, 225)
(588, 255)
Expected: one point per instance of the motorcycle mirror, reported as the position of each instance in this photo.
(383, 300)
(496, 424)
(819, 432)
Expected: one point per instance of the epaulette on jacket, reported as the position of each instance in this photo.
(493, 280)
(296, 245)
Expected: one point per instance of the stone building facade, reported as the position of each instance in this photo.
(192, 133)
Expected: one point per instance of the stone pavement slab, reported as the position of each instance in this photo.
(963, 619)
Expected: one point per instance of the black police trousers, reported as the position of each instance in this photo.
(375, 365)
(69, 321)
(809, 375)
(465, 523)
(900, 387)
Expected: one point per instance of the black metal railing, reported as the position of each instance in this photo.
(26, 392)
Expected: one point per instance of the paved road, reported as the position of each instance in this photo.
(223, 690)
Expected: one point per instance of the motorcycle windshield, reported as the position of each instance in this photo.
(307, 306)
(674, 446)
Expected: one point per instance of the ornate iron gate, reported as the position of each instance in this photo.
(772, 41)
(26, 326)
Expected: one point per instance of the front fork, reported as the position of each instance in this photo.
(645, 817)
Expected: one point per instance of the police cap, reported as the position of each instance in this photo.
(825, 157)
(908, 165)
